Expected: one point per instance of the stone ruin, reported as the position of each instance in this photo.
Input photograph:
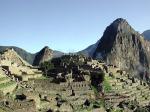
(16, 66)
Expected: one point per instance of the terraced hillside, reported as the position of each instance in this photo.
(7, 85)
(17, 67)
(126, 88)
(11, 55)
(68, 87)
(121, 87)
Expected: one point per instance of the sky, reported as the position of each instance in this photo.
(65, 25)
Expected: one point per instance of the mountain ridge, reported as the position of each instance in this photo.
(122, 46)
(146, 34)
(27, 56)
(43, 55)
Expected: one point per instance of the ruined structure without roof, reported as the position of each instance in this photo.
(68, 87)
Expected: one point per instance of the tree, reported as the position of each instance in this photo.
(56, 62)
(46, 66)
(97, 78)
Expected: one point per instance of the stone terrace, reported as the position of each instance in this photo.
(7, 85)
(127, 88)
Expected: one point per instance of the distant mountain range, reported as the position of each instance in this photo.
(34, 59)
(120, 45)
(89, 50)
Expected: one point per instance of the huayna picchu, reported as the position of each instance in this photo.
(122, 46)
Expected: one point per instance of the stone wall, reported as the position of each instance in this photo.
(84, 85)
(5, 62)
(23, 106)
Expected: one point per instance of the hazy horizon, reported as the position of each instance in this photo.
(65, 25)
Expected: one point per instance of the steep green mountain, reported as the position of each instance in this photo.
(122, 46)
(37, 58)
(44, 55)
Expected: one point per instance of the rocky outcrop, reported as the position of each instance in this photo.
(122, 46)
(44, 55)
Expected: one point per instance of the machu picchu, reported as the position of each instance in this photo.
(68, 83)
(74, 56)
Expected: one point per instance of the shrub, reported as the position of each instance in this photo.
(46, 66)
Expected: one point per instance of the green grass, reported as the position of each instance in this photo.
(108, 78)
(107, 86)
(81, 108)
(3, 78)
(1, 110)
(3, 85)
(95, 90)
(98, 103)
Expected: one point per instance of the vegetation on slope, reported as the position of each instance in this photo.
(106, 84)
(3, 85)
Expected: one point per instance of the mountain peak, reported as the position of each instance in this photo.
(46, 47)
(120, 25)
(120, 20)
(120, 42)
(44, 55)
